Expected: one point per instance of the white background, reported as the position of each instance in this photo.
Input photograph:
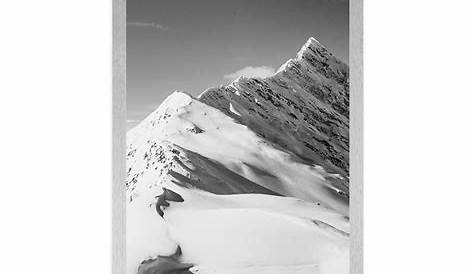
(55, 111)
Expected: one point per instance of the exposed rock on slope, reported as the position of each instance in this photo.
(304, 107)
(223, 153)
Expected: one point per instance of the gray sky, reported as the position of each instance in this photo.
(190, 45)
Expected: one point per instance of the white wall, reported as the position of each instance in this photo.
(55, 111)
(419, 137)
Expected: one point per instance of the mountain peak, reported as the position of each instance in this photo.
(311, 44)
(175, 100)
(312, 41)
(170, 106)
(312, 47)
(178, 95)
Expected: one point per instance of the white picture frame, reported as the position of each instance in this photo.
(119, 136)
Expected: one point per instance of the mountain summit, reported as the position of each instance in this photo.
(304, 107)
(258, 171)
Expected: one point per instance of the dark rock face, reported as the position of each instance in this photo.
(303, 108)
(165, 265)
(196, 129)
(166, 197)
(213, 177)
(205, 173)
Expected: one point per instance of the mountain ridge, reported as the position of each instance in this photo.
(266, 150)
(319, 96)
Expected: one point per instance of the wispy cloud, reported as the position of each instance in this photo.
(148, 25)
(255, 72)
(132, 120)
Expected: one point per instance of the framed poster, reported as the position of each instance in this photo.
(237, 136)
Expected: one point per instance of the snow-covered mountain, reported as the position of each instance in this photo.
(247, 178)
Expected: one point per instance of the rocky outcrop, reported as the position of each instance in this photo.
(165, 265)
(303, 108)
(164, 198)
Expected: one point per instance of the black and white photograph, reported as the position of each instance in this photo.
(237, 137)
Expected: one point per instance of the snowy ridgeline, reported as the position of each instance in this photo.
(247, 178)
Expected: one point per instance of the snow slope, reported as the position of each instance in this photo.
(233, 233)
(261, 171)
